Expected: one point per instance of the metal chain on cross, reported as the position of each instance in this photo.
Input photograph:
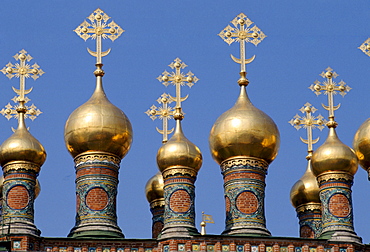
(309, 122)
(330, 88)
(21, 70)
(164, 113)
(242, 32)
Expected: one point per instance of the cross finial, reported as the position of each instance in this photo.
(365, 47)
(21, 70)
(97, 29)
(242, 33)
(309, 122)
(330, 88)
(164, 113)
(178, 79)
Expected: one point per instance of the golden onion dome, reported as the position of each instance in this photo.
(154, 188)
(306, 189)
(179, 151)
(22, 146)
(334, 155)
(244, 130)
(361, 144)
(98, 125)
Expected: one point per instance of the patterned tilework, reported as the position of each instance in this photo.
(19, 194)
(225, 248)
(179, 210)
(244, 183)
(336, 198)
(240, 248)
(210, 248)
(96, 190)
(195, 247)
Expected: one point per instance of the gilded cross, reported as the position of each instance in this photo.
(178, 79)
(21, 70)
(330, 88)
(164, 113)
(365, 47)
(97, 29)
(309, 122)
(242, 32)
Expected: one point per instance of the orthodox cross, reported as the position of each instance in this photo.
(97, 29)
(309, 122)
(178, 79)
(21, 70)
(365, 47)
(242, 33)
(330, 88)
(164, 113)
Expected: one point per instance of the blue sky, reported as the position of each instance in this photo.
(303, 39)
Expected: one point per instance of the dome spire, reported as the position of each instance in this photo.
(21, 152)
(334, 164)
(304, 194)
(98, 135)
(244, 140)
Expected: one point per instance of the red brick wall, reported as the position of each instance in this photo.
(97, 199)
(180, 201)
(18, 197)
(247, 202)
(339, 205)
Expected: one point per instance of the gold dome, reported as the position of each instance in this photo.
(361, 144)
(306, 189)
(179, 151)
(334, 155)
(244, 130)
(98, 125)
(22, 146)
(154, 188)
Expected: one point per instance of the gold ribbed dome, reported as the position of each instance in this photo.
(244, 130)
(361, 144)
(334, 155)
(98, 125)
(154, 188)
(179, 151)
(306, 189)
(22, 146)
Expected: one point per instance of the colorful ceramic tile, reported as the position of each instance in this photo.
(166, 248)
(254, 248)
(283, 249)
(312, 249)
(148, 250)
(210, 248)
(240, 248)
(181, 247)
(62, 249)
(77, 249)
(92, 249)
(297, 249)
(225, 248)
(269, 249)
(120, 250)
(16, 244)
(48, 249)
(195, 247)
(106, 249)
(342, 250)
